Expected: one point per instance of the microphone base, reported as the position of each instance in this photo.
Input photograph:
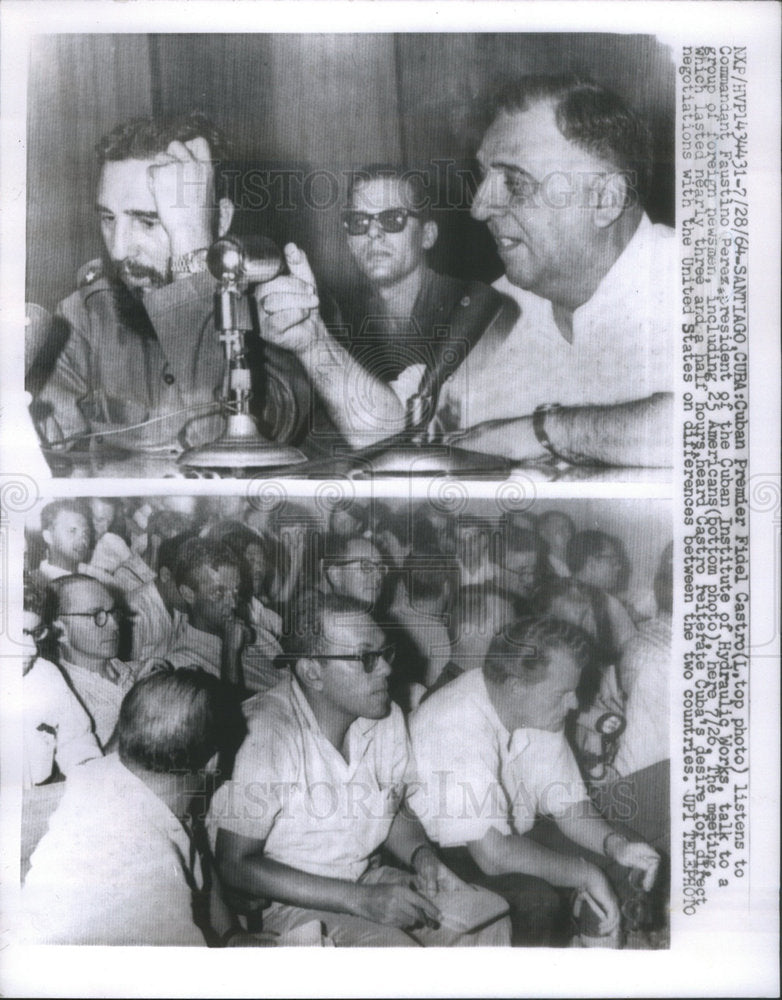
(241, 447)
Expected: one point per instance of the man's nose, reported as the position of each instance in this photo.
(375, 230)
(383, 667)
(121, 241)
(570, 703)
(490, 198)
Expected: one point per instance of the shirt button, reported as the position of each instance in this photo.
(169, 379)
(465, 301)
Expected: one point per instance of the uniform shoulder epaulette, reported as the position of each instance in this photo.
(89, 273)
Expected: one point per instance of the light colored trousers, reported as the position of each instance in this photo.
(347, 931)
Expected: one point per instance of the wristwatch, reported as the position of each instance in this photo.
(539, 426)
(190, 263)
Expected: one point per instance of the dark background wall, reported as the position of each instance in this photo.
(306, 109)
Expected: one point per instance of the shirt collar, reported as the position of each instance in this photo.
(359, 726)
(623, 273)
(114, 671)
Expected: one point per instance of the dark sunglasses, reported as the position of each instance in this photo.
(369, 659)
(99, 617)
(392, 220)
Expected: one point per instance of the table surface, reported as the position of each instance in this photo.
(112, 463)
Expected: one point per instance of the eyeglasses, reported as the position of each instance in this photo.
(99, 617)
(37, 634)
(392, 220)
(369, 659)
(367, 565)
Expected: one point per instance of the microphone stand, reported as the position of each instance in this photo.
(236, 263)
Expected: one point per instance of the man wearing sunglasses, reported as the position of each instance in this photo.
(398, 321)
(319, 787)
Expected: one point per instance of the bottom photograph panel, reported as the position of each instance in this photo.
(338, 722)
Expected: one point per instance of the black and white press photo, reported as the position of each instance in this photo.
(279, 720)
(386, 252)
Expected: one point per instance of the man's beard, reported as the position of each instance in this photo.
(134, 276)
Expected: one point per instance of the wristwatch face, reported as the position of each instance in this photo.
(610, 724)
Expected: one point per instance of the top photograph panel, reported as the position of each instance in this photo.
(369, 255)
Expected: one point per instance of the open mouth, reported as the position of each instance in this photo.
(507, 243)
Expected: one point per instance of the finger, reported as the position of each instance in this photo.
(650, 874)
(427, 881)
(426, 906)
(298, 264)
(274, 328)
(610, 921)
(286, 284)
(272, 304)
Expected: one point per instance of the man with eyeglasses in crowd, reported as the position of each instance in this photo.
(84, 619)
(318, 788)
(57, 734)
(401, 319)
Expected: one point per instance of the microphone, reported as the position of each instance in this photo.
(245, 260)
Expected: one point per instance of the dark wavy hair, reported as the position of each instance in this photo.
(143, 138)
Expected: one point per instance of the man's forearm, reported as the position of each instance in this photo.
(586, 827)
(496, 854)
(405, 836)
(638, 433)
(251, 874)
(364, 409)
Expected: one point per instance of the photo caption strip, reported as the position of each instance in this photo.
(715, 595)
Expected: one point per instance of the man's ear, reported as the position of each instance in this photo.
(165, 574)
(326, 572)
(60, 633)
(187, 594)
(225, 216)
(429, 235)
(47, 537)
(612, 197)
(309, 673)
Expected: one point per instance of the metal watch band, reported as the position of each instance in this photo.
(190, 263)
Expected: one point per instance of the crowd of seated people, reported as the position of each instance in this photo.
(368, 703)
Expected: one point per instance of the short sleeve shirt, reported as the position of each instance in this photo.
(291, 788)
(473, 775)
(622, 346)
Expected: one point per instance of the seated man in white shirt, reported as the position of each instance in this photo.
(319, 787)
(57, 730)
(84, 618)
(486, 792)
(121, 864)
